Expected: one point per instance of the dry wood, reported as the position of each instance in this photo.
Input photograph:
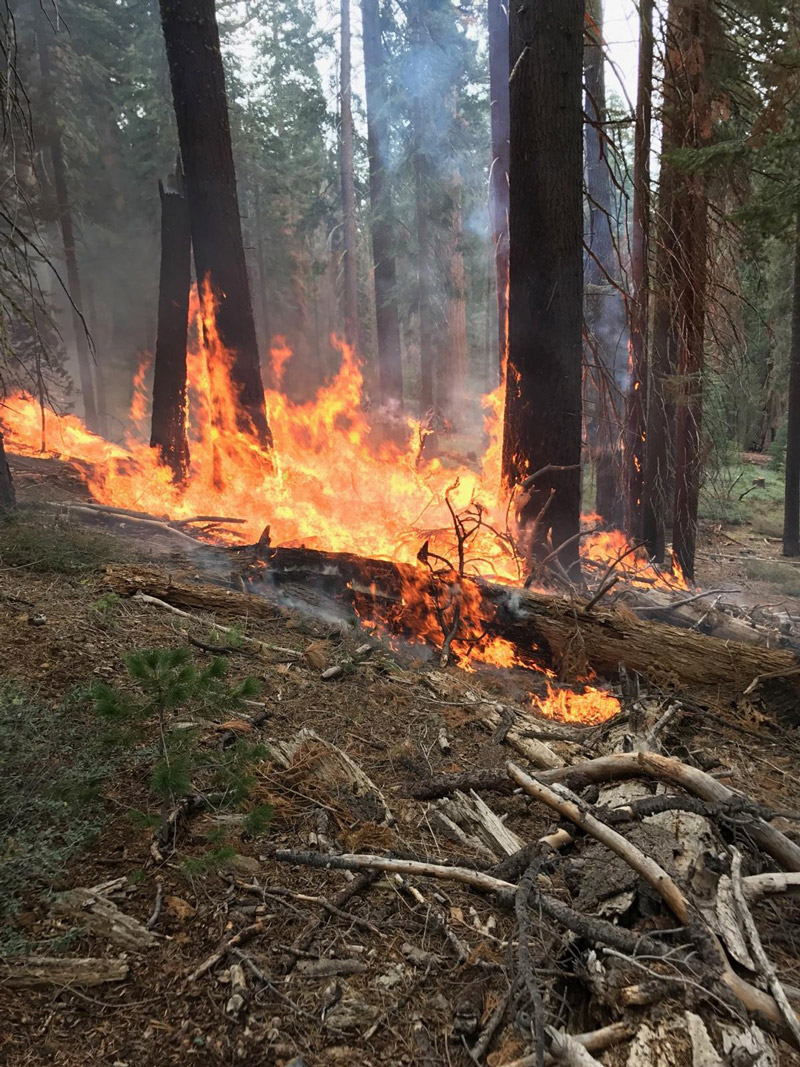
(764, 885)
(308, 933)
(663, 769)
(104, 514)
(477, 819)
(765, 964)
(38, 972)
(349, 862)
(537, 752)
(102, 918)
(718, 669)
(594, 1041)
(232, 943)
(644, 866)
(565, 1049)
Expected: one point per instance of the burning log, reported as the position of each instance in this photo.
(561, 634)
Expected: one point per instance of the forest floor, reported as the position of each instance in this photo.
(375, 982)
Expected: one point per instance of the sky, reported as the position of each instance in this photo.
(622, 37)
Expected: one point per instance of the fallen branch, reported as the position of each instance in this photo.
(757, 950)
(38, 972)
(232, 943)
(644, 866)
(651, 765)
(764, 885)
(594, 1041)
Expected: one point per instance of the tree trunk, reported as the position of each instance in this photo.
(605, 307)
(791, 515)
(201, 109)
(382, 226)
(543, 398)
(7, 496)
(348, 186)
(640, 245)
(452, 372)
(498, 179)
(261, 261)
(61, 186)
(426, 274)
(691, 254)
(168, 427)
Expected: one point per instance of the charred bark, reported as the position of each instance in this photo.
(7, 495)
(61, 187)
(605, 306)
(348, 185)
(543, 398)
(498, 178)
(640, 280)
(201, 110)
(168, 426)
(791, 515)
(384, 268)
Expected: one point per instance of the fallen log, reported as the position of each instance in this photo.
(556, 632)
(39, 972)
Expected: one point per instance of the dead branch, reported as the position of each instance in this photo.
(234, 942)
(350, 862)
(594, 1041)
(565, 1049)
(756, 948)
(651, 765)
(39, 972)
(762, 885)
(644, 866)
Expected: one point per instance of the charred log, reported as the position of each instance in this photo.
(7, 495)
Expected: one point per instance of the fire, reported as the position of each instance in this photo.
(140, 400)
(590, 707)
(611, 548)
(333, 482)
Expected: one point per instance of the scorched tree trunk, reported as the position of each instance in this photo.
(168, 427)
(201, 110)
(498, 180)
(7, 495)
(348, 185)
(640, 245)
(543, 396)
(791, 515)
(384, 267)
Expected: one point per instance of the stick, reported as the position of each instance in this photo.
(644, 866)
(762, 885)
(565, 1049)
(350, 862)
(481, 1046)
(208, 518)
(651, 765)
(757, 949)
(153, 524)
(234, 942)
(593, 1041)
(151, 922)
(601, 592)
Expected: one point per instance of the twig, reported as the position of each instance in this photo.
(481, 1046)
(601, 592)
(232, 943)
(524, 955)
(326, 904)
(757, 949)
(644, 866)
(267, 981)
(350, 862)
(157, 906)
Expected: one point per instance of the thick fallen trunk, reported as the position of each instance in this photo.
(561, 634)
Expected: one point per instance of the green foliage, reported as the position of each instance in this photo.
(54, 768)
(777, 449)
(56, 548)
(165, 681)
(215, 860)
(105, 610)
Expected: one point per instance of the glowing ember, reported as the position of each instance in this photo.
(589, 707)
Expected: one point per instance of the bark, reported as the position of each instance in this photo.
(605, 307)
(382, 227)
(348, 185)
(713, 669)
(426, 253)
(7, 495)
(201, 110)
(168, 427)
(452, 372)
(543, 398)
(692, 40)
(498, 183)
(640, 281)
(791, 516)
(261, 261)
(61, 187)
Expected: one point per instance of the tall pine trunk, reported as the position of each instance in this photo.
(498, 184)
(382, 226)
(605, 307)
(636, 438)
(7, 495)
(261, 262)
(791, 515)
(201, 110)
(168, 426)
(543, 397)
(61, 186)
(348, 185)
(692, 36)
(452, 372)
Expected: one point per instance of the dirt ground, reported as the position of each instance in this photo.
(396, 937)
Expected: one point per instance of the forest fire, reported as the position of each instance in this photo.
(590, 707)
(331, 483)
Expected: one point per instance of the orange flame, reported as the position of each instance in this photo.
(589, 707)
